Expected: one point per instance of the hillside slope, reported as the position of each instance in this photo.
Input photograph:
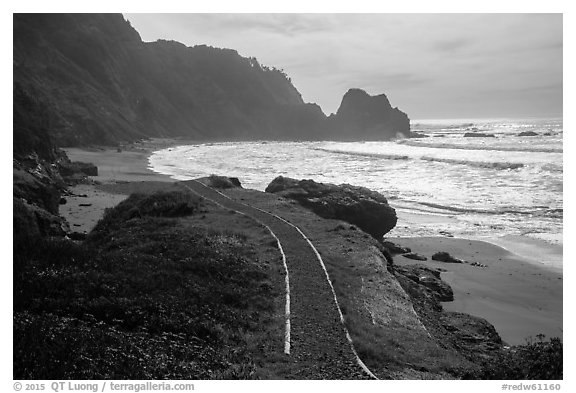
(103, 85)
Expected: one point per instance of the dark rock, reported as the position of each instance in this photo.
(62, 201)
(367, 209)
(443, 256)
(362, 116)
(235, 181)
(415, 256)
(478, 135)
(430, 279)
(395, 248)
(386, 254)
(528, 133)
(417, 135)
(77, 236)
(473, 337)
(421, 295)
(472, 332)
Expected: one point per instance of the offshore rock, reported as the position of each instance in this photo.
(478, 135)
(528, 133)
(366, 117)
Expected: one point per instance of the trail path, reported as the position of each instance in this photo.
(319, 344)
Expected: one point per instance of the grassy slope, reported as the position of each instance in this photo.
(156, 292)
(149, 295)
(377, 312)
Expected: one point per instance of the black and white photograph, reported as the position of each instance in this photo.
(357, 196)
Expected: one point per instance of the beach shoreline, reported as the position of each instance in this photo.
(518, 295)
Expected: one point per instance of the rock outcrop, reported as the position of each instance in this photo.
(429, 278)
(478, 135)
(528, 133)
(362, 116)
(367, 209)
(394, 248)
(473, 337)
(443, 256)
(415, 256)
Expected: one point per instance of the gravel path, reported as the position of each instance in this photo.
(320, 346)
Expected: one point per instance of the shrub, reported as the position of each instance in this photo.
(534, 360)
(160, 204)
(149, 297)
(222, 182)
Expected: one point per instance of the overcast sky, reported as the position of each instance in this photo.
(429, 65)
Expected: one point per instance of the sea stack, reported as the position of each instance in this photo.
(361, 115)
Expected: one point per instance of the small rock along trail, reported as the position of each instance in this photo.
(319, 345)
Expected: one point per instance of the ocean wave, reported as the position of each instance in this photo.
(476, 164)
(540, 211)
(386, 156)
(362, 154)
(555, 168)
(444, 145)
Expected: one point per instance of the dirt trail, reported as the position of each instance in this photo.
(320, 347)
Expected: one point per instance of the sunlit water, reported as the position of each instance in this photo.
(490, 187)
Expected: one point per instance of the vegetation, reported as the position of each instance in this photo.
(145, 297)
(221, 182)
(126, 89)
(539, 359)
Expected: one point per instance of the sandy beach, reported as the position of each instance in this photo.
(519, 295)
(520, 298)
(86, 206)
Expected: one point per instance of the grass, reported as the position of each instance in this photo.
(145, 297)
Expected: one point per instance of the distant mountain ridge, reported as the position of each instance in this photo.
(101, 84)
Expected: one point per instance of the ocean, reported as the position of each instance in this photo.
(489, 187)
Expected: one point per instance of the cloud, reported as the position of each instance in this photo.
(452, 45)
(423, 62)
(285, 24)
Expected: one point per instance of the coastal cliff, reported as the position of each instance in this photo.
(101, 84)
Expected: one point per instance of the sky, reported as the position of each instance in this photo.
(429, 65)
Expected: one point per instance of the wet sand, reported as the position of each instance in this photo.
(520, 298)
